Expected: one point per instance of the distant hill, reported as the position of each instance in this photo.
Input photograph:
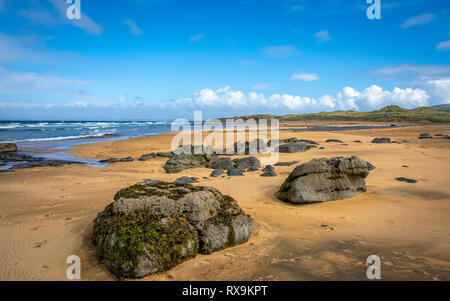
(445, 107)
(386, 114)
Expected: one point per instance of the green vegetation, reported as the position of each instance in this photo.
(387, 114)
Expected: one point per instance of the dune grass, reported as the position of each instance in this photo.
(386, 114)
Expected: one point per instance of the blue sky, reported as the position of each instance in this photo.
(163, 59)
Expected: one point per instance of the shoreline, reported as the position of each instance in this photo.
(47, 212)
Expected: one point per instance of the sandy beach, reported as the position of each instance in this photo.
(46, 213)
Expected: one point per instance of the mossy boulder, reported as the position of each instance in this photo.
(153, 226)
(8, 148)
(182, 162)
(325, 179)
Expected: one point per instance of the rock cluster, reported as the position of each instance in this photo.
(325, 179)
(381, 140)
(153, 226)
(8, 147)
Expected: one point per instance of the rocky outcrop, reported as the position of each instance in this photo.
(116, 160)
(334, 141)
(381, 140)
(269, 171)
(286, 163)
(293, 147)
(148, 157)
(325, 179)
(217, 173)
(186, 180)
(8, 147)
(153, 226)
(182, 162)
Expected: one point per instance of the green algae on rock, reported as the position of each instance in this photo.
(153, 226)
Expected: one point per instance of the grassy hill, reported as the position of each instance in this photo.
(386, 114)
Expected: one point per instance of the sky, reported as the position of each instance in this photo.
(164, 59)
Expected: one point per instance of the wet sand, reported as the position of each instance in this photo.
(46, 213)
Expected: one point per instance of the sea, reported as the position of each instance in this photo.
(50, 139)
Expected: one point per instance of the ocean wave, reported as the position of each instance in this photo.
(83, 136)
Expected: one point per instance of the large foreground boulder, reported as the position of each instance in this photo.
(322, 180)
(153, 226)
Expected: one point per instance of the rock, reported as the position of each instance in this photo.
(252, 147)
(165, 155)
(370, 166)
(405, 166)
(148, 157)
(357, 141)
(42, 163)
(182, 162)
(220, 163)
(286, 163)
(217, 172)
(425, 136)
(381, 140)
(294, 147)
(325, 179)
(290, 140)
(245, 163)
(252, 169)
(2, 164)
(334, 140)
(269, 171)
(8, 148)
(406, 180)
(186, 180)
(154, 226)
(235, 172)
(115, 160)
(322, 147)
(308, 141)
(308, 147)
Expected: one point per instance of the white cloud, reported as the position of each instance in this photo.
(323, 36)
(196, 38)
(438, 89)
(18, 82)
(445, 45)
(418, 20)
(281, 51)
(134, 29)
(261, 86)
(307, 77)
(412, 71)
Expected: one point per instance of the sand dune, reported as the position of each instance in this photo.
(46, 214)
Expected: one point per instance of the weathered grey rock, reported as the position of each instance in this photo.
(153, 226)
(182, 162)
(325, 179)
(286, 163)
(269, 171)
(425, 136)
(116, 160)
(148, 157)
(246, 163)
(252, 169)
(370, 166)
(220, 163)
(334, 141)
(186, 180)
(8, 147)
(307, 141)
(357, 141)
(406, 180)
(236, 172)
(381, 140)
(294, 147)
(217, 173)
(165, 155)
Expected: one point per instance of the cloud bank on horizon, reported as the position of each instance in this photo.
(163, 59)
